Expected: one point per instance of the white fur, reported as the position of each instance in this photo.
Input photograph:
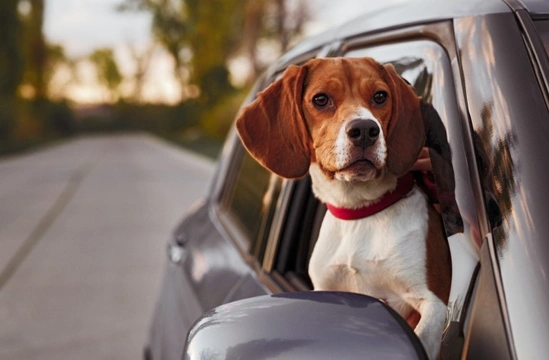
(383, 256)
(380, 148)
(342, 147)
(346, 194)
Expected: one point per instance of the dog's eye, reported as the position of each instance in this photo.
(320, 100)
(380, 97)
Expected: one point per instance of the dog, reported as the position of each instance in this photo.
(356, 127)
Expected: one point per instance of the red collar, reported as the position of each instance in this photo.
(404, 186)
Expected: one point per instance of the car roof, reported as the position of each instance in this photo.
(536, 6)
(409, 13)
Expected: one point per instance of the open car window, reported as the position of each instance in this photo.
(426, 66)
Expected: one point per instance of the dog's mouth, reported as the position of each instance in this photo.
(357, 165)
(358, 170)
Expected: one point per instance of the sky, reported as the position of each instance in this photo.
(84, 25)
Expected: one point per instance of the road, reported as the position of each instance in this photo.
(83, 228)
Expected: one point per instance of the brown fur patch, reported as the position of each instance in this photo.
(272, 127)
(439, 262)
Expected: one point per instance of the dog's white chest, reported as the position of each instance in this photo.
(382, 255)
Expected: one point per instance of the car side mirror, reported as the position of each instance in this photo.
(303, 325)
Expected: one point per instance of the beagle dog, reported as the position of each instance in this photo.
(356, 126)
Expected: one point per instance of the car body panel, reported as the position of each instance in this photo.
(209, 272)
(535, 6)
(175, 311)
(511, 117)
(486, 330)
(402, 14)
(212, 266)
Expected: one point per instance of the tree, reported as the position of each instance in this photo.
(202, 35)
(11, 55)
(59, 72)
(169, 27)
(275, 21)
(11, 64)
(37, 50)
(142, 61)
(108, 73)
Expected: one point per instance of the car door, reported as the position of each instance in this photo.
(507, 102)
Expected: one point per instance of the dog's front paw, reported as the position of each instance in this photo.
(431, 325)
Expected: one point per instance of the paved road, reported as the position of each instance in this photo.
(83, 228)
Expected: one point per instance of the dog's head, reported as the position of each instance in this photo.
(353, 117)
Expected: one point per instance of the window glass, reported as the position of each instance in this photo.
(543, 28)
(249, 202)
(245, 199)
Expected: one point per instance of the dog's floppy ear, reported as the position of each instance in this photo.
(406, 133)
(273, 127)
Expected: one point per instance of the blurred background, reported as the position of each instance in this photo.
(176, 68)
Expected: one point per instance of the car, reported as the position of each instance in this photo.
(236, 283)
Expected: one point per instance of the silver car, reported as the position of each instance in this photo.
(236, 284)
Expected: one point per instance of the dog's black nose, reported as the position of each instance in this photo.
(362, 132)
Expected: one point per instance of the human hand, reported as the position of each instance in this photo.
(423, 162)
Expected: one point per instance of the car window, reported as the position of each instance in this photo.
(249, 201)
(426, 66)
(543, 29)
(245, 199)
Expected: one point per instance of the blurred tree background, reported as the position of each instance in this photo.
(203, 38)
